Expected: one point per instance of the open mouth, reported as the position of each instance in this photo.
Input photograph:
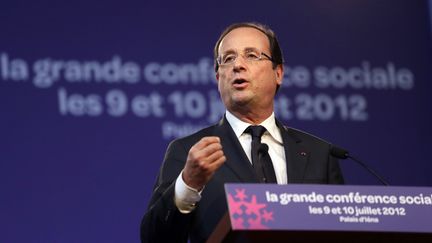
(239, 81)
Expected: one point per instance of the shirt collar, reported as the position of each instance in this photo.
(240, 126)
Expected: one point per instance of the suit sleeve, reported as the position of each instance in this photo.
(163, 222)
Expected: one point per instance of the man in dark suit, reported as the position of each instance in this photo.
(188, 198)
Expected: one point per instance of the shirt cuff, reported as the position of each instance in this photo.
(185, 197)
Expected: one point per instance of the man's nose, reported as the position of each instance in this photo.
(239, 63)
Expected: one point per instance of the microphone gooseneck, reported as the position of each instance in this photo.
(341, 153)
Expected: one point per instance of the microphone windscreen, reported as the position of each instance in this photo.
(263, 148)
(338, 152)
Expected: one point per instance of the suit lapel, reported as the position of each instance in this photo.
(237, 160)
(296, 155)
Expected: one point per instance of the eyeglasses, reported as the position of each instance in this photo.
(248, 55)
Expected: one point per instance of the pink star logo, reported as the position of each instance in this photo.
(247, 214)
(267, 216)
(240, 194)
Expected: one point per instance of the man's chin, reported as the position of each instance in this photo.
(241, 100)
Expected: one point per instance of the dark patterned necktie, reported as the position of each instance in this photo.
(261, 160)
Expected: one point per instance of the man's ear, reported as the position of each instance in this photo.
(279, 74)
(217, 76)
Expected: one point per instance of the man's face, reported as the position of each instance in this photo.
(247, 84)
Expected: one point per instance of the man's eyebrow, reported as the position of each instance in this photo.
(229, 51)
(246, 49)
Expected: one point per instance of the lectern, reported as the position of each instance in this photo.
(325, 213)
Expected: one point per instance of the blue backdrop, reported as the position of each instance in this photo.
(92, 92)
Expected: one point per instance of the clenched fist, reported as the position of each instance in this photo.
(204, 158)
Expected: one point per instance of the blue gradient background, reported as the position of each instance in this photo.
(88, 179)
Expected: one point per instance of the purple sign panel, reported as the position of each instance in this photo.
(329, 208)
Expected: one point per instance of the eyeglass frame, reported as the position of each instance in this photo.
(260, 57)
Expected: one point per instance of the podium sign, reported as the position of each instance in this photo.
(331, 208)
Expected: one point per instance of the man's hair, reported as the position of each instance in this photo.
(275, 50)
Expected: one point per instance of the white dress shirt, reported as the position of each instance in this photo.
(272, 137)
(186, 197)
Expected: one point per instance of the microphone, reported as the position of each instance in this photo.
(266, 165)
(263, 148)
(341, 153)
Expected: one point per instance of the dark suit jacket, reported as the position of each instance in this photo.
(308, 161)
